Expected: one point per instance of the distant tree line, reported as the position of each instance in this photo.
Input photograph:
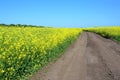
(19, 25)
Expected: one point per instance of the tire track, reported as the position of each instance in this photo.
(91, 57)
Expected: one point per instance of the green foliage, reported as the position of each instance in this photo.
(19, 25)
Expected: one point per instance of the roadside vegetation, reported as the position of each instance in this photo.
(107, 32)
(24, 50)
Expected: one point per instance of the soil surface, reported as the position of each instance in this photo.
(90, 57)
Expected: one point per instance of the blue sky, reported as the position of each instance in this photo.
(61, 13)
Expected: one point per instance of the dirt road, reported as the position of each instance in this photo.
(91, 57)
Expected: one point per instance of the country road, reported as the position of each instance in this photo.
(90, 57)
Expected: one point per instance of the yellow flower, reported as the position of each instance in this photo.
(2, 71)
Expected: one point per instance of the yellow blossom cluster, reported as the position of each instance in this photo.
(25, 50)
(107, 32)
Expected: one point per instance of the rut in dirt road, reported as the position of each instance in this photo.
(91, 57)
